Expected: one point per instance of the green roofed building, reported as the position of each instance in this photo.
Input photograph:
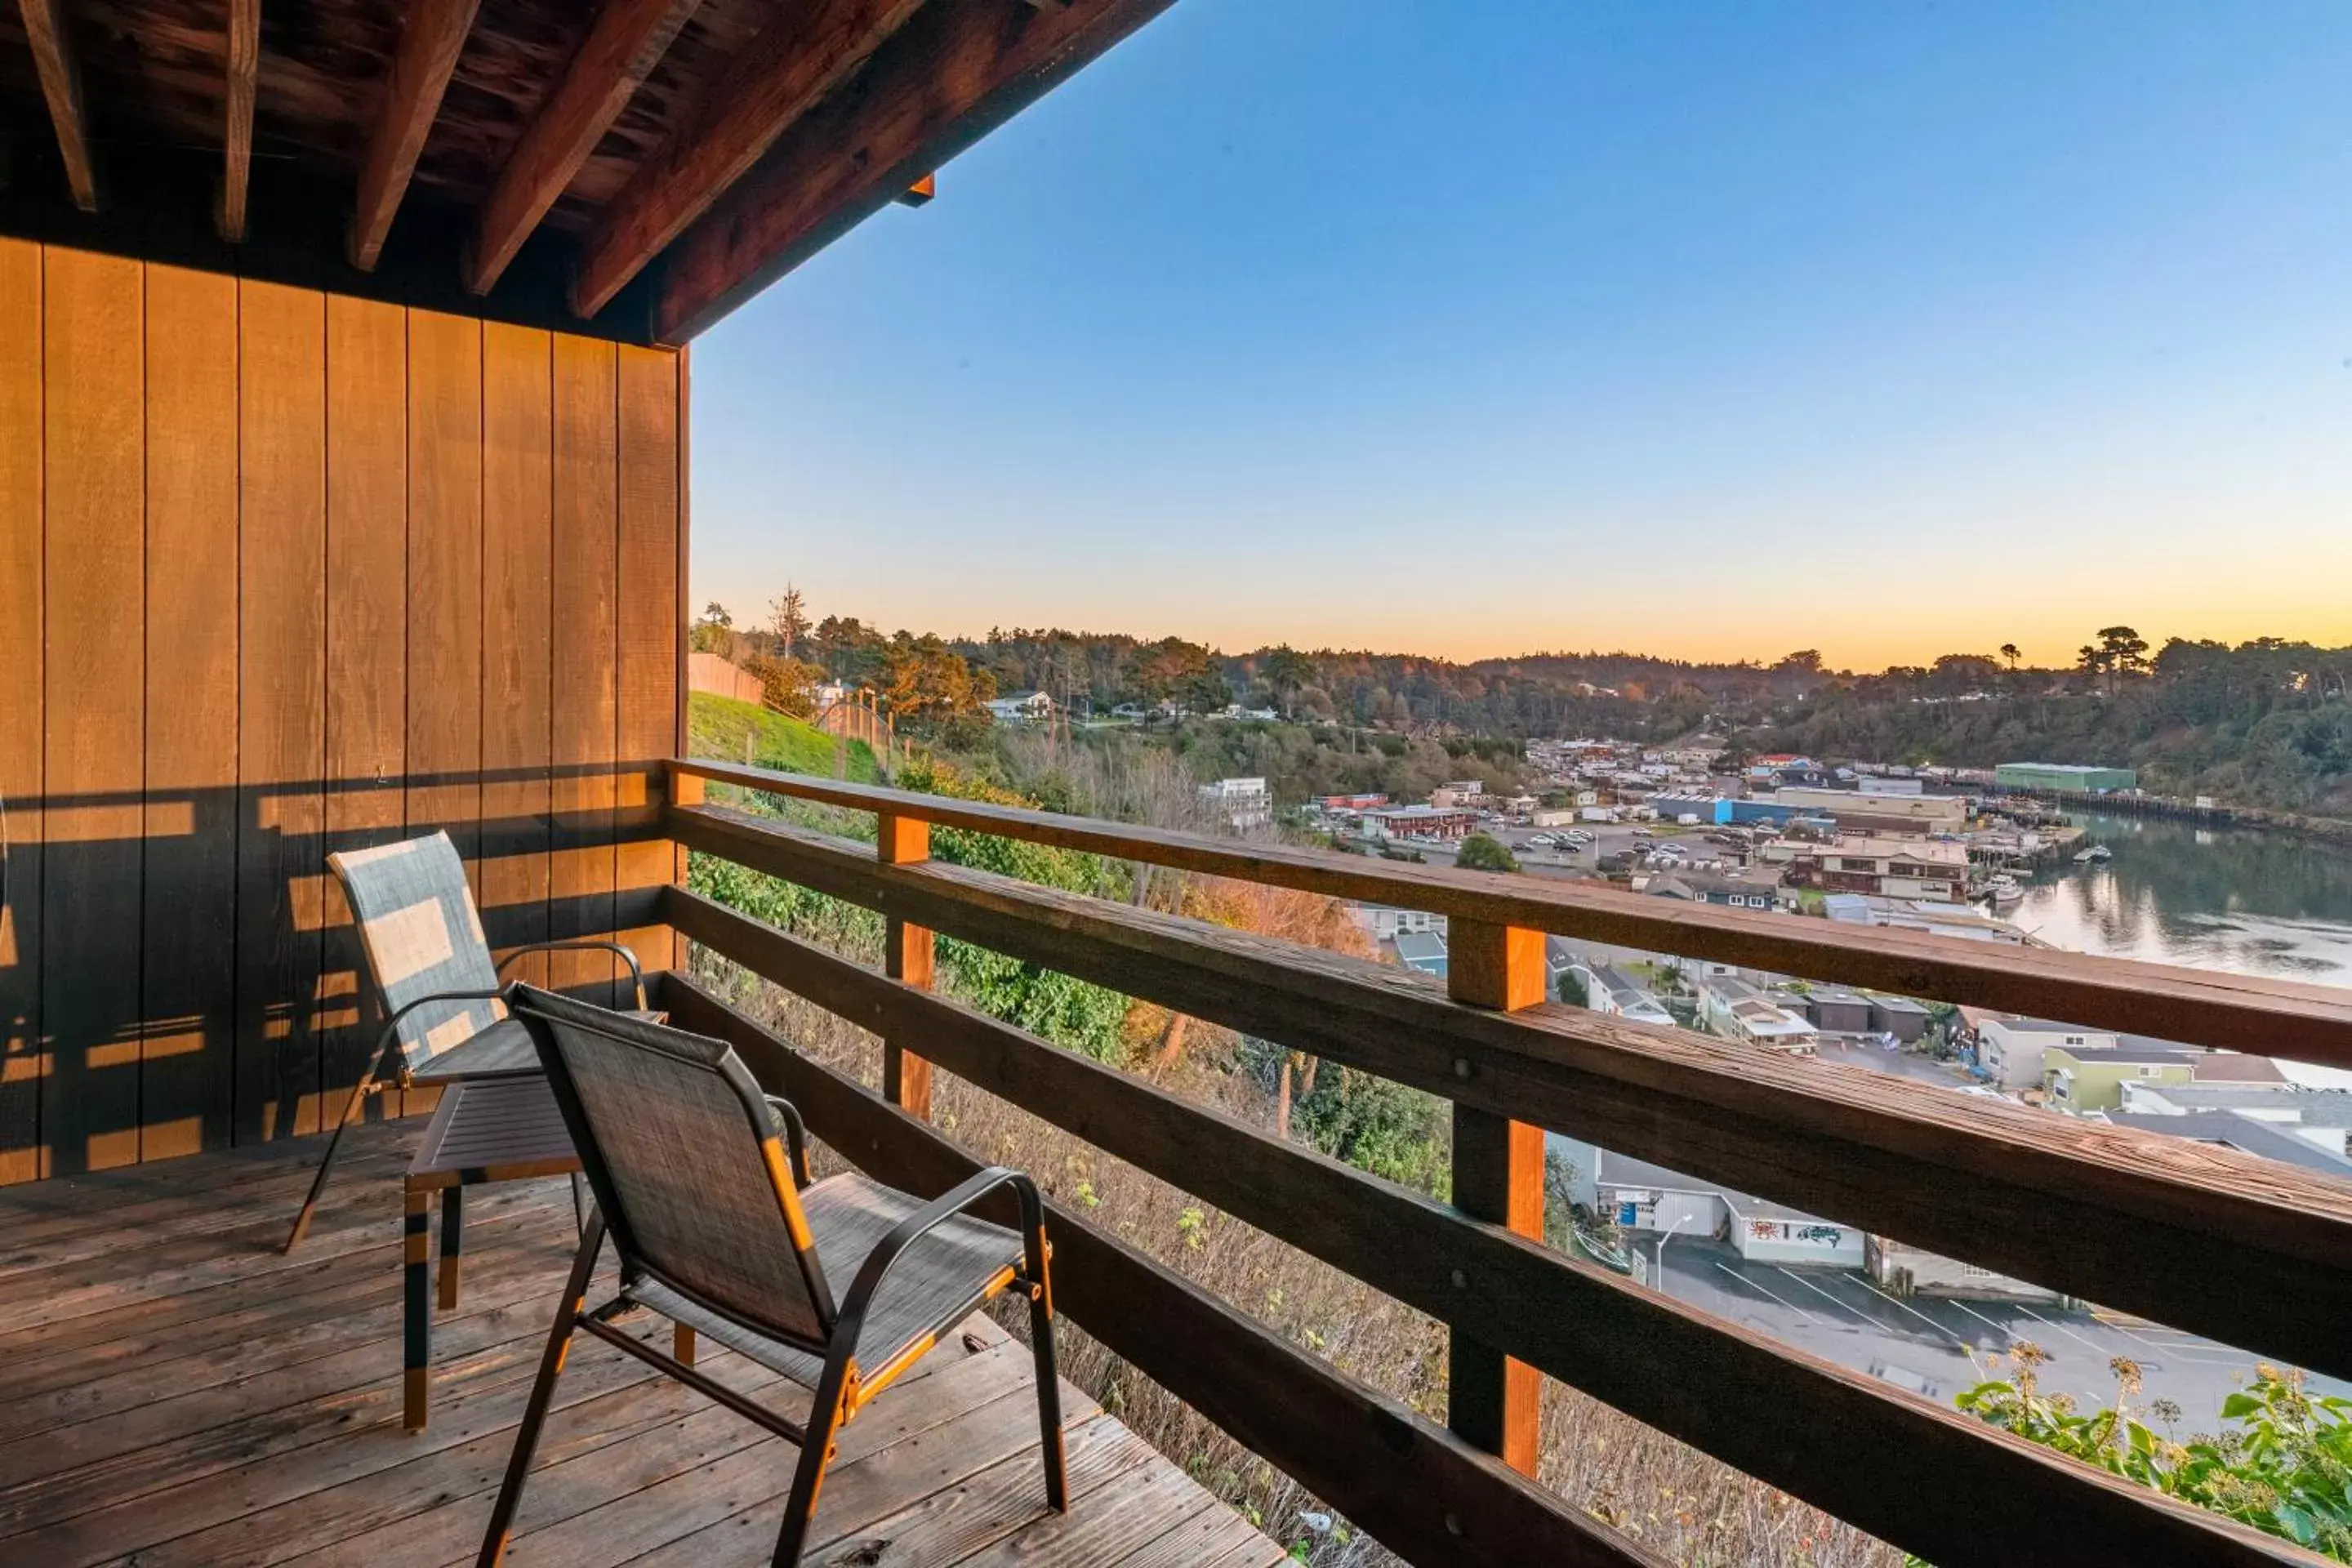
(2067, 778)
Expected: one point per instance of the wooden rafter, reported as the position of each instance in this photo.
(429, 44)
(236, 139)
(793, 62)
(61, 73)
(949, 76)
(629, 38)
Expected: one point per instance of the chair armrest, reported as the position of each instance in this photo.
(932, 1215)
(795, 1137)
(585, 945)
(392, 1024)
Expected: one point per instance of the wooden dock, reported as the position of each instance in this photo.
(173, 1391)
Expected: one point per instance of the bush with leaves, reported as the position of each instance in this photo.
(1067, 1011)
(2281, 1462)
(1485, 852)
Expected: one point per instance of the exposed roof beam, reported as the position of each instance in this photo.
(61, 73)
(802, 54)
(236, 139)
(628, 40)
(949, 76)
(429, 44)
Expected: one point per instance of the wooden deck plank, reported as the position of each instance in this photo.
(191, 1263)
(976, 1411)
(273, 1513)
(952, 1523)
(197, 1398)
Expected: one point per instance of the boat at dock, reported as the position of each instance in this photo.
(2095, 852)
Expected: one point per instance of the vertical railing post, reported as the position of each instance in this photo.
(1499, 1176)
(905, 956)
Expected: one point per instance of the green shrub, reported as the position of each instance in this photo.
(2281, 1462)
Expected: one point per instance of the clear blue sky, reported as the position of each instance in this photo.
(1711, 329)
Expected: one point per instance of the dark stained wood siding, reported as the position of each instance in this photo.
(282, 572)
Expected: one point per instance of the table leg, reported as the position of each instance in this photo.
(453, 1224)
(416, 1309)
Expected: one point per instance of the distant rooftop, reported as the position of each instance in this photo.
(2241, 1132)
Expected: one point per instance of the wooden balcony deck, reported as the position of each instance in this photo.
(173, 1391)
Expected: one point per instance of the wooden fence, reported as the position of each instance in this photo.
(2251, 1252)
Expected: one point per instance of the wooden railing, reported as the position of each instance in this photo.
(2256, 1254)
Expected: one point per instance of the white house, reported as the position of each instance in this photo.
(1385, 923)
(1608, 989)
(1637, 1195)
(2009, 1050)
(1025, 707)
(1736, 1010)
(1243, 803)
(1767, 1232)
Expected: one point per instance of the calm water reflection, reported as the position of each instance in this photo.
(2256, 903)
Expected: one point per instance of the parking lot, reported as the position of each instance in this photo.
(1936, 1347)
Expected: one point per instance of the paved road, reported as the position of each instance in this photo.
(1938, 1347)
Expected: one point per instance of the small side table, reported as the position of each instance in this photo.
(503, 1129)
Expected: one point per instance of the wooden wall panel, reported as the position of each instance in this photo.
(23, 1053)
(367, 640)
(94, 466)
(188, 977)
(517, 587)
(281, 702)
(282, 572)
(585, 697)
(650, 428)
(444, 581)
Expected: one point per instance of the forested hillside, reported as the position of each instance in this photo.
(2264, 723)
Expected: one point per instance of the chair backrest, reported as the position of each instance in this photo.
(682, 1151)
(423, 937)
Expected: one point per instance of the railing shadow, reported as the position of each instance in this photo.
(178, 972)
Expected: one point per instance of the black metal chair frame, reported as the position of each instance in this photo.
(371, 1083)
(843, 1388)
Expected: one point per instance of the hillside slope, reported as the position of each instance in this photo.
(718, 727)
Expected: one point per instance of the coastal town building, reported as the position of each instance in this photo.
(1734, 1009)
(1879, 811)
(1891, 868)
(2010, 1051)
(2064, 778)
(1420, 821)
(1022, 708)
(1609, 989)
(1241, 803)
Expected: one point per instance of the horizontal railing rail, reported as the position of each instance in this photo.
(1909, 1471)
(2251, 1252)
(2069, 1204)
(2271, 1017)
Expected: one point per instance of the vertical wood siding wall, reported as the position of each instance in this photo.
(282, 572)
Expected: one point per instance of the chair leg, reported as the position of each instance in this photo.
(452, 1227)
(681, 1344)
(816, 1452)
(543, 1394)
(415, 1308)
(1049, 1395)
(359, 1093)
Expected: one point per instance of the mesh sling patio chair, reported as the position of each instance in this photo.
(430, 963)
(702, 1183)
